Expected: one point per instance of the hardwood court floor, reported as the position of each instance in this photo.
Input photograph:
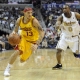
(39, 66)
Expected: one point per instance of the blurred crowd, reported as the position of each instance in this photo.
(8, 16)
(4, 44)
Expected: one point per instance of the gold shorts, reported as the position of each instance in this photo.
(25, 48)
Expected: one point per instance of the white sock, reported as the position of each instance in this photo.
(59, 64)
(8, 67)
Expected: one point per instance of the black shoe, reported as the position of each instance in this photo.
(58, 66)
(76, 55)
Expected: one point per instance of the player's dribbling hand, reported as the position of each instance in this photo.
(34, 47)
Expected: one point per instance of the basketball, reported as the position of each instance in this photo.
(14, 39)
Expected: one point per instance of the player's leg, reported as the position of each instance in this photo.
(26, 53)
(62, 45)
(11, 61)
(75, 49)
(58, 56)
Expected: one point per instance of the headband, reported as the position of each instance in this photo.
(27, 9)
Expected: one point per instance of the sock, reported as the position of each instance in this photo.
(8, 67)
(59, 64)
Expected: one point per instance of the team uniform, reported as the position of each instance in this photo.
(29, 35)
(70, 33)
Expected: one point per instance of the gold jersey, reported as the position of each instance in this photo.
(28, 31)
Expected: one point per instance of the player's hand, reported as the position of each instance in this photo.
(34, 47)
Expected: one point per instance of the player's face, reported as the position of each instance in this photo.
(28, 14)
(66, 9)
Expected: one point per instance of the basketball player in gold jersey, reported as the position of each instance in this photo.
(31, 34)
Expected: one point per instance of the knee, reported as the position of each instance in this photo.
(59, 51)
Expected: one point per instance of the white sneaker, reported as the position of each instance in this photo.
(6, 73)
(7, 70)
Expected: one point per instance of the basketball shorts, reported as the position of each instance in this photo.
(71, 42)
(25, 49)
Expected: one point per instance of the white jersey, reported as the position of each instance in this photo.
(70, 26)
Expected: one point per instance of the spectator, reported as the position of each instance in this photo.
(44, 43)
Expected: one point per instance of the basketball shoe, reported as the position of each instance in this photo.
(58, 66)
(76, 55)
(6, 73)
(7, 70)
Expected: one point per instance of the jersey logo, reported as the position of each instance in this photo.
(28, 31)
(68, 23)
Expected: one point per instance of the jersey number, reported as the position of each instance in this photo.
(29, 33)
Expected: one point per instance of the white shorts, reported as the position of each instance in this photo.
(70, 41)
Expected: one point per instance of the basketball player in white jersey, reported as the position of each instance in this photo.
(68, 23)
